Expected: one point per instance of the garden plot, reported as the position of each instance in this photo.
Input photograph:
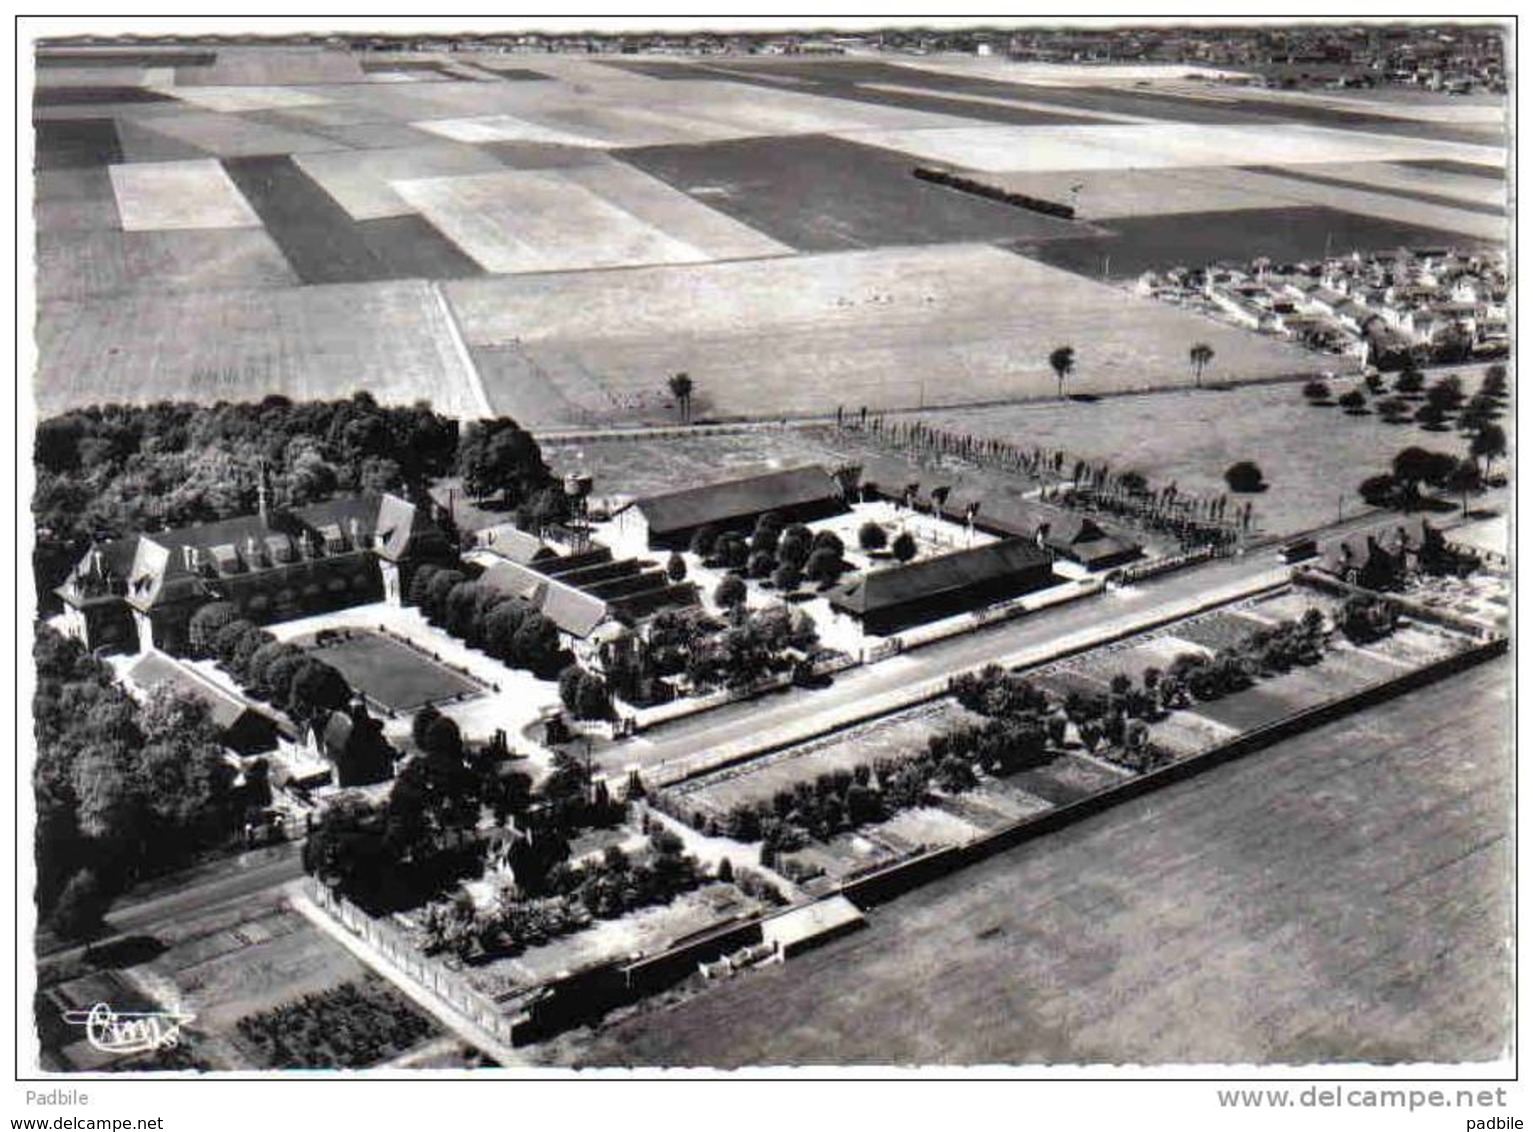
(360, 182)
(173, 195)
(391, 339)
(895, 737)
(102, 262)
(391, 673)
(228, 135)
(894, 327)
(1159, 145)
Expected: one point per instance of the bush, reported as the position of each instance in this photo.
(1244, 476)
(871, 536)
(205, 625)
(1355, 401)
(1318, 392)
(904, 546)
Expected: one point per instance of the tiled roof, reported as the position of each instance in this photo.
(897, 585)
(155, 668)
(738, 499)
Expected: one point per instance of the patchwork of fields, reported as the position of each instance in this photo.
(743, 193)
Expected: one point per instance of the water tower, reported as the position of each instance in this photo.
(577, 490)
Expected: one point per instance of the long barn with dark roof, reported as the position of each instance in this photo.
(798, 495)
(899, 597)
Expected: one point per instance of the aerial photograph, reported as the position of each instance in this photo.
(793, 549)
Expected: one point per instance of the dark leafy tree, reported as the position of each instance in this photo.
(904, 546)
(871, 536)
(206, 623)
(1062, 362)
(1244, 476)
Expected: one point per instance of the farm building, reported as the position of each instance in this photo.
(590, 596)
(1065, 534)
(273, 566)
(241, 728)
(798, 495)
(889, 600)
(508, 541)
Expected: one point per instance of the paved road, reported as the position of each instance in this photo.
(860, 693)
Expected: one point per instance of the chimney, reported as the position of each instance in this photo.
(261, 495)
(97, 563)
(354, 529)
(1042, 536)
(189, 557)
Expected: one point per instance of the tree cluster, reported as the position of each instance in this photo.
(119, 788)
(571, 898)
(501, 625)
(111, 471)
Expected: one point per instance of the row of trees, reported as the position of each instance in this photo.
(120, 788)
(504, 626)
(1195, 520)
(280, 673)
(1414, 468)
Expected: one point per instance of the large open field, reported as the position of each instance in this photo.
(393, 340)
(1341, 897)
(298, 167)
(1313, 458)
(942, 325)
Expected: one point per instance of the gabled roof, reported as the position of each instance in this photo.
(514, 544)
(575, 612)
(155, 568)
(738, 499)
(224, 708)
(897, 585)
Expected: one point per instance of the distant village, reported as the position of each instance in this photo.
(1419, 305)
(1454, 60)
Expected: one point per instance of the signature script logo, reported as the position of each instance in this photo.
(129, 1031)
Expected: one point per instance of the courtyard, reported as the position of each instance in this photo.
(396, 675)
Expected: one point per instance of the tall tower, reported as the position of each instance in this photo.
(261, 495)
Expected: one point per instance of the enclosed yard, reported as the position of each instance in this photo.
(1343, 897)
(394, 674)
(808, 334)
(896, 737)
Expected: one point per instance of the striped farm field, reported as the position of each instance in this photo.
(391, 339)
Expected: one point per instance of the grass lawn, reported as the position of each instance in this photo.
(1312, 458)
(392, 673)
